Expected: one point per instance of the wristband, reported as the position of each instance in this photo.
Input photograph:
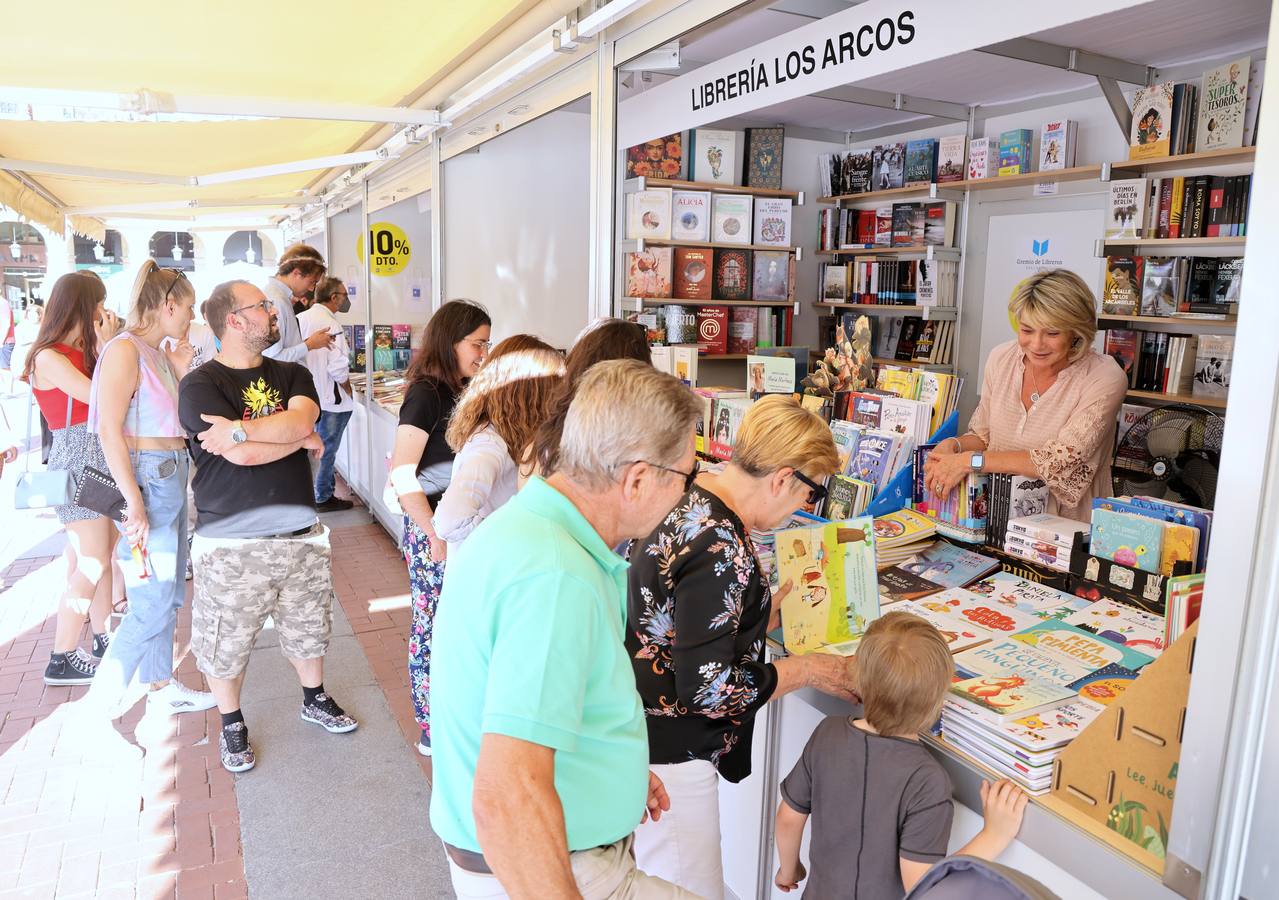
(404, 481)
(959, 445)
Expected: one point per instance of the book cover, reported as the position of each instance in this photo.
(762, 167)
(883, 226)
(648, 214)
(1126, 214)
(979, 611)
(939, 223)
(950, 159)
(1009, 696)
(950, 566)
(858, 171)
(1051, 650)
(773, 221)
(1151, 122)
(732, 274)
(1121, 346)
(383, 352)
(661, 157)
(1120, 623)
(1221, 109)
(691, 215)
(1133, 541)
(741, 329)
(979, 158)
(870, 460)
(1039, 600)
(731, 219)
(1159, 287)
(712, 330)
(1056, 145)
(401, 337)
(648, 272)
(835, 597)
(955, 633)
(896, 585)
(715, 156)
(1181, 544)
(1104, 686)
(903, 224)
(359, 348)
(921, 162)
(841, 496)
(769, 375)
(1121, 295)
(692, 273)
(1014, 151)
(771, 276)
(728, 415)
(1212, 365)
(845, 435)
(890, 166)
(681, 324)
(905, 526)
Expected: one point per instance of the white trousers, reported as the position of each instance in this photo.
(684, 845)
(605, 873)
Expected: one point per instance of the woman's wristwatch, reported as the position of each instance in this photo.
(977, 461)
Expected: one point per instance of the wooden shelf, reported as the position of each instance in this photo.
(1179, 246)
(1228, 156)
(703, 357)
(662, 242)
(1178, 321)
(642, 183)
(909, 364)
(888, 309)
(662, 301)
(1157, 397)
(1074, 173)
(946, 190)
(928, 251)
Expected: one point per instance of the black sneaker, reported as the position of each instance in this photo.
(328, 715)
(333, 504)
(234, 748)
(424, 744)
(100, 642)
(76, 667)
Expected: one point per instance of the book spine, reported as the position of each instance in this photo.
(1165, 207)
(1216, 199)
(1174, 211)
(1050, 535)
(1198, 206)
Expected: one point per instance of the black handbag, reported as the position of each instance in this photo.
(98, 491)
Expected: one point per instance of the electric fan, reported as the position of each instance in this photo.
(1173, 453)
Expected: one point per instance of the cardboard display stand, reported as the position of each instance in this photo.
(1094, 577)
(1121, 772)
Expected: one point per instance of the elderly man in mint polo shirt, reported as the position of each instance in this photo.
(540, 747)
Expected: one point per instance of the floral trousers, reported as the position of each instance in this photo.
(426, 577)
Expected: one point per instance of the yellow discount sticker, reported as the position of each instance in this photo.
(391, 251)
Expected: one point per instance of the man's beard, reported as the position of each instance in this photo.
(263, 340)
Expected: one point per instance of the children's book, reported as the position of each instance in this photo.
(902, 527)
(1221, 108)
(845, 435)
(999, 698)
(832, 567)
(950, 566)
(979, 612)
(1051, 728)
(1151, 122)
(1122, 624)
(957, 635)
(896, 585)
(1052, 651)
(1104, 686)
(1133, 541)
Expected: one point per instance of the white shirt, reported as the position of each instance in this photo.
(484, 478)
(289, 348)
(329, 366)
(200, 336)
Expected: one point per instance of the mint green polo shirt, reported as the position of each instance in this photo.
(529, 643)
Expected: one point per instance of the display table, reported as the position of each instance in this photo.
(1085, 868)
(362, 455)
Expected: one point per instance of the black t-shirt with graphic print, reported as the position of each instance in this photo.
(238, 501)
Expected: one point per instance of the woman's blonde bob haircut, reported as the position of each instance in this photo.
(778, 433)
(1061, 300)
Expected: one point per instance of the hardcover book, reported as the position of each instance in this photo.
(661, 157)
(1212, 365)
(715, 155)
(648, 273)
(681, 324)
(1221, 108)
(732, 274)
(773, 221)
(1010, 696)
(1057, 145)
(1133, 541)
(1151, 122)
(692, 273)
(771, 276)
(950, 159)
(648, 214)
(1160, 286)
(763, 164)
(979, 611)
(979, 151)
(835, 284)
(741, 329)
(921, 162)
(712, 330)
(1121, 346)
(948, 565)
(1050, 650)
(1014, 151)
(691, 215)
(1040, 600)
(728, 415)
(1126, 215)
(859, 171)
(835, 595)
(1120, 623)
(731, 219)
(890, 166)
(1121, 295)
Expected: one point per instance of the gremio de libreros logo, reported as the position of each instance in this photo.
(1039, 256)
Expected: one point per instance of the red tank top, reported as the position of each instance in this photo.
(53, 402)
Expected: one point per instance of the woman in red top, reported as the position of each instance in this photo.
(59, 368)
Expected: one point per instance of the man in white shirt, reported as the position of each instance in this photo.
(300, 268)
(330, 368)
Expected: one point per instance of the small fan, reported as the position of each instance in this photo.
(1173, 453)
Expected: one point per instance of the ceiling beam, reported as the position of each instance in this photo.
(35, 167)
(957, 112)
(1072, 59)
(154, 205)
(267, 171)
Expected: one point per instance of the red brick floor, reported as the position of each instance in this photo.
(71, 826)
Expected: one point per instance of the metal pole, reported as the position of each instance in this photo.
(370, 464)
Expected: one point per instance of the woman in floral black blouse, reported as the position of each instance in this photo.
(698, 611)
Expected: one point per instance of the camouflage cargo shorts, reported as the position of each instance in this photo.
(239, 582)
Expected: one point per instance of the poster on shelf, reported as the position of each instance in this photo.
(1020, 245)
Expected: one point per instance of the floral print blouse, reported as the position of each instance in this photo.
(697, 616)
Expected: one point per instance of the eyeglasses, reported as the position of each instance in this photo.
(689, 477)
(178, 275)
(816, 492)
(264, 305)
(482, 346)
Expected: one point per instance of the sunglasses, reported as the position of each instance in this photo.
(816, 492)
(178, 275)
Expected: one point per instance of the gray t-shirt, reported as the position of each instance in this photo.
(872, 799)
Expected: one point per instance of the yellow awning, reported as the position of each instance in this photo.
(386, 55)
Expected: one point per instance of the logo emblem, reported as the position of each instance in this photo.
(1039, 248)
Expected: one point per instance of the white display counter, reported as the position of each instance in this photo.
(362, 457)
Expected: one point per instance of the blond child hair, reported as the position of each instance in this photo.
(903, 670)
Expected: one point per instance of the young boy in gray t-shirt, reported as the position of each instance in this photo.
(881, 805)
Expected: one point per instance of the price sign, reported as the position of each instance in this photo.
(391, 251)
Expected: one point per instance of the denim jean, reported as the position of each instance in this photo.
(329, 428)
(142, 646)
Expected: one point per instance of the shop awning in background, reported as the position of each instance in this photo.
(383, 55)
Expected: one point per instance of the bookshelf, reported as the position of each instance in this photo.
(1201, 246)
(631, 185)
(888, 309)
(721, 356)
(641, 243)
(1192, 323)
(923, 251)
(946, 190)
(1074, 173)
(1196, 399)
(635, 303)
(1225, 156)
(911, 364)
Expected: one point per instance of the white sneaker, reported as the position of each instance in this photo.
(176, 697)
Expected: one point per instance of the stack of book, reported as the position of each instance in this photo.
(846, 497)
(1043, 539)
(1012, 496)
(936, 566)
(900, 536)
(961, 513)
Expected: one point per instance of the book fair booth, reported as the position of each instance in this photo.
(837, 200)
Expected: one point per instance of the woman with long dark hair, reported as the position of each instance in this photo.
(453, 347)
(59, 369)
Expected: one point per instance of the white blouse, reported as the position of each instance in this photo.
(484, 477)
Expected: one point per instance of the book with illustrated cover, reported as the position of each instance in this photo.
(401, 346)
(648, 272)
(712, 330)
(979, 611)
(773, 221)
(979, 152)
(846, 497)
(889, 166)
(1057, 145)
(692, 273)
(950, 566)
(896, 585)
(1009, 696)
(762, 167)
(1121, 346)
(1160, 286)
(921, 162)
(769, 375)
(1181, 544)
(1039, 600)
(845, 435)
(904, 224)
(957, 635)
(727, 419)
(648, 214)
(1212, 365)
(939, 223)
(1120, 623)
(872, 457)
(383, 352)
(714, 155)
(732, 274)
(1151, 122)
(742, 321)
(681, 324)
(1133, 541)
(1050, 650)
(835, 283)
(1126, 213)
(950, 159)
(691, 215)
(1221, 108)
(1122, 294)
(1014, 151)
(835, 595)
(903, 527)
(661, 157)
(1104, 686)
(731, 218)
(770, 279)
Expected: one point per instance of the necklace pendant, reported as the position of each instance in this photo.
(1034, 398)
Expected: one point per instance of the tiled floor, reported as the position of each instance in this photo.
(72, 825)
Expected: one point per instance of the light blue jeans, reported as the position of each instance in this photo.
(143, 644)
